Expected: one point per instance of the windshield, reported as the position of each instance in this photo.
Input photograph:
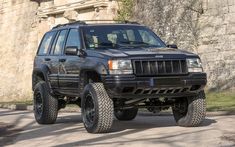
(120, 36)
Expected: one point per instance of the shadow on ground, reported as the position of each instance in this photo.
(11, 134)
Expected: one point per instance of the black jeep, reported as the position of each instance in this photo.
(115, 69)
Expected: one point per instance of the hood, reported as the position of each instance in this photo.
(142, 52)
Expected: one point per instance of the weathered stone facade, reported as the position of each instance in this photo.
(216, 43)
(17, 47)
(22, 25)
(53, 12)
(206, 27)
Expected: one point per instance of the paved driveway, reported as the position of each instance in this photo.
(18, 128)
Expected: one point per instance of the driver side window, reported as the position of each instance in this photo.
(73, 39)
(148, 38)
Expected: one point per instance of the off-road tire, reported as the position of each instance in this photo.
(126, 114)
(49, 105)
(195, 111)
(103, 108)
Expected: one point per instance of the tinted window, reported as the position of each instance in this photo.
(60, 43)
(148, 38)
(73, 38)
(45, 44)
(120, 36)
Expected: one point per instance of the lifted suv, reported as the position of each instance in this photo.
(114, 69)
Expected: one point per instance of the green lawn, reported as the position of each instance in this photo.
(17, 102)
(220, 101)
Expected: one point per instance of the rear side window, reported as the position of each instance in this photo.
(45, 44)
(60, 43)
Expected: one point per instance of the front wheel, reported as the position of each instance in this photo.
(190, 111)
(97, 109)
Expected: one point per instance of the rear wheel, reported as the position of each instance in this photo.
(45, 105)
(190, 111)
(126, 114)
(97, 109)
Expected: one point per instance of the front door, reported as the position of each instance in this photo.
(69, 66)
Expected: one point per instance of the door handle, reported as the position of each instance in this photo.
(62, 60)
(47, 59)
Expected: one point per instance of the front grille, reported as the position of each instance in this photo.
(159, 67)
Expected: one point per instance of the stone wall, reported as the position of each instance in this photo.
(206, 27)
(17, 48)
(216, 43)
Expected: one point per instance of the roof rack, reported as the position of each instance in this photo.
(130, 22)
(84, 22)
(71, 23)
(116, 21)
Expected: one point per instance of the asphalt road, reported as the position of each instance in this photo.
(18, 128)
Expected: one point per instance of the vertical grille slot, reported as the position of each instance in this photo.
(183, 66)
(159, 67)
(138, 67)
(176, 67)
(146, 68)
(168, 66)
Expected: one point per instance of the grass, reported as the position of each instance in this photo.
(216, 101)
(220, 101)
(28, 102)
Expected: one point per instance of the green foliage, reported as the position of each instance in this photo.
(125, 9)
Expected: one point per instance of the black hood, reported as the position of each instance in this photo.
(141, 53)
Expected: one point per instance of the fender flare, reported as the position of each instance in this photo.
(44, 70)
(99, 68)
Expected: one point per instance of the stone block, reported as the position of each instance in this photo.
(207, 31)
(230, 29)
(231, 2)
(211, 4)
(229, 18)
(71, 15)
(220, 29)
(204, 48)
(232, 9)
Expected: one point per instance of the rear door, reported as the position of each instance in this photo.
(55, 55)
(69, 65)
(44, 58)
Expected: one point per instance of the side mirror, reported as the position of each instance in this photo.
(82, 53)
(172, 46)
(71, 50)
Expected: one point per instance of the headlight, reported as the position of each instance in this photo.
(194, 65)
(120, 67)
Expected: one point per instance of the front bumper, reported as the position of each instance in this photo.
(130, 86)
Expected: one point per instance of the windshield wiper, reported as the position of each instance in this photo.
(135, 42)
(113, 45)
